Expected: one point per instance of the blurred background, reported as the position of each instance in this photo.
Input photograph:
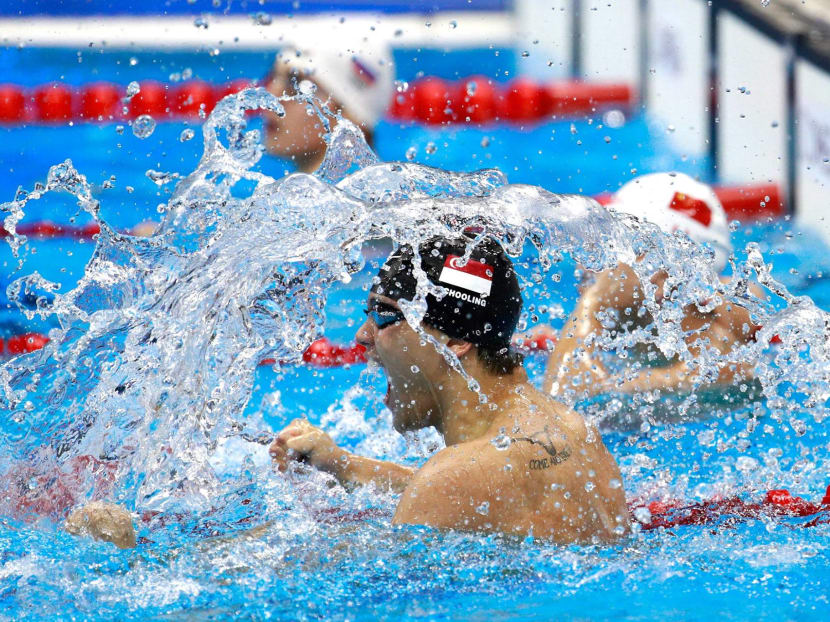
(572, 95)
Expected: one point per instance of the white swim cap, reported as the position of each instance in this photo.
(360, 78)
(676, 202)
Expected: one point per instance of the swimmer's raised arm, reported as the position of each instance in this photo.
(302, 442)
(574, 354)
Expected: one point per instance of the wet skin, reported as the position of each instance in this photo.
(619, 290)
(521, 463)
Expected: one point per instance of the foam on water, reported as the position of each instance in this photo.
(154, 359)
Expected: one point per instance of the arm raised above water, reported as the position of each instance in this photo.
(302, 442)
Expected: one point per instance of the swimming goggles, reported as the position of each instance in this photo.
(383, 314)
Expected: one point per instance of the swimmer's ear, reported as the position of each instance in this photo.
(459, 347)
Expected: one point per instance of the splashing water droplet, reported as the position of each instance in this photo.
(614, 484)
(186, 134)
(485, 142)
(453, 24)
(133, 88)
(200, 22)
(471, 87)
(144, 125)
(483, 509)
(411, 153)
(642, 515)
(262, 18)
(414, 369)
(430, 148)
(501, 442)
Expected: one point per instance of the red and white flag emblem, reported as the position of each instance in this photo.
(474, 276)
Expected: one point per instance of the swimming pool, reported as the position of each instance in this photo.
(319, 553)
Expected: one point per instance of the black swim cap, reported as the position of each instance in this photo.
(483, 299)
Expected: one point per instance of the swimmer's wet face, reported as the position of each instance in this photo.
(408, 361)
(476, 318)
(298, 135)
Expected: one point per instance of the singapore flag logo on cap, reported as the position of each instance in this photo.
(474, 276)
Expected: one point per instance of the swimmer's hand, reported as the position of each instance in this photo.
(302, 442)
(103, 521)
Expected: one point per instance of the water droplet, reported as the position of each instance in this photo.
(119, 129)
(642, 515)
(186, 135)
(144, 126)
(670, 128)
(483, 509)
(133, 61)
(453, 23)
(262, 18)
(765, 3)
(589, 486)
(774, 124)
(430, 148)
(501, 442)
(414, 369)
(133, 88)
(411, 153)
(200, 22)
(614, 118)
(614, 483)
(485, 142)
(307, 87)
(471, 87)
(401, 86)
(525, 54)
(607, 139)
(573, 128)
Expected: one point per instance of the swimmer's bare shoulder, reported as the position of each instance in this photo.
(532, 479)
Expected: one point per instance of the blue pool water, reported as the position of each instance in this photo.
(323, 554)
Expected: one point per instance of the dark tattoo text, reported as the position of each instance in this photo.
(545, 441)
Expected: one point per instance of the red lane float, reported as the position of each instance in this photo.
(191, 97)
(28, 342)
(12, 104)
(776, 503)
(429, 100)
(100, 102)
(53, 103)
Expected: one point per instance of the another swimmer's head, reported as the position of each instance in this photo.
(357, 80)
(676, 202)
(476, 320)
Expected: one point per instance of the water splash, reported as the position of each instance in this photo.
(153, 361)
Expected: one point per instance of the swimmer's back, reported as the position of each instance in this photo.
(542, 473)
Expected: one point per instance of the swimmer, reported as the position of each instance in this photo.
(357, 82)
(521, 463)
(672, 201)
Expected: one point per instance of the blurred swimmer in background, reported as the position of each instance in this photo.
(519, 463)
(674, 202)
(356, 81)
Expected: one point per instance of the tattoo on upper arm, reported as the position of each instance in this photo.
(545, 440)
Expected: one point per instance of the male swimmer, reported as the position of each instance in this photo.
(673, 201)
(519, 463)
(357, 81)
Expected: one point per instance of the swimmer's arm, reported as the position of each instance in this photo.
(302, 442)
(574, 354)
(359, 470)
(678, 377)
